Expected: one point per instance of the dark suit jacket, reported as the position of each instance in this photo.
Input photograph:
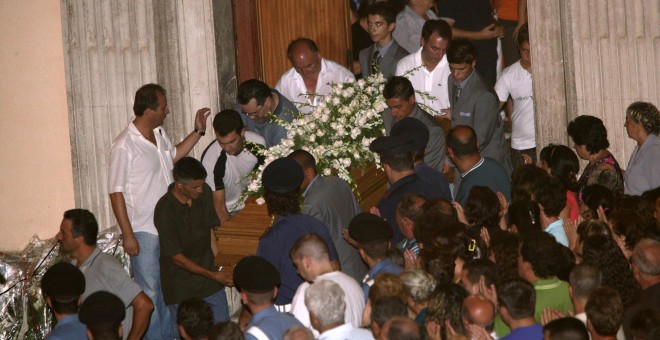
(477, 107)
(387, 63)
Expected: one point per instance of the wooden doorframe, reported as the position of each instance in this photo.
(246, 28)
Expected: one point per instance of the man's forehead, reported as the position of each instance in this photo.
(375, 18)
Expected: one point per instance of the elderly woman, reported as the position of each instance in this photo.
(643, 125)
(419, 286)
(590, 142)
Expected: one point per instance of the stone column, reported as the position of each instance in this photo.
(593, 57)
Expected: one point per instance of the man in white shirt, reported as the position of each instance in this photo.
(228, 160)
(307, 81)
(516, 81)
(311, 258)
(427, 69)
(141, 162)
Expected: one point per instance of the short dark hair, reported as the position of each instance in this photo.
(253, 89)
(400, 162)
(605, 311)
(398, 87)
(311, 245)
(305, 41)
(542, 251)
(83, 223)
(196, 317)
(523, 35)
(387, 307)
(410, 207)
(524, 179)
(584, 278)
(227, 121)
(567, 328)
(460, 148)
(461, 51)
(375, 249)
(305, 159)
(551, 195)
(403, 328)
(63, 283)
(146, 97)
(282, 204)
(504, 247)
(227, 330)
(385, 10)
(436, 212)
(518, 297)
(438, 26)
(481, 267)
(188, 169)
(590, 132)
(645, 324)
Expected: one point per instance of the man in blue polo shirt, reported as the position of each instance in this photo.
(62, 285)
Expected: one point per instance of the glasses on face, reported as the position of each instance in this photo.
(255, 113)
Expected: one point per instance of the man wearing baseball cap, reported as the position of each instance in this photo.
(373, 235)
(258, 280)
(281, 180)
(62, 285)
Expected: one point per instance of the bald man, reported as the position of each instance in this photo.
(479, 311)
(475, 170)
(307, 81)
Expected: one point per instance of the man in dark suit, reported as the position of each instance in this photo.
(331, 200)
(385, 53)
(473, 103)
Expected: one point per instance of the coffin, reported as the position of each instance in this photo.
(239, 236)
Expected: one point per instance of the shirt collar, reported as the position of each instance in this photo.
(481, 161)
(309, 186)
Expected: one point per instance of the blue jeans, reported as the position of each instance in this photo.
(217, 302)
(146, 271)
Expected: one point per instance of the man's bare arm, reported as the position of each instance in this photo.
(183, 148)
(220, 205)
(131, 246)
(142, 308)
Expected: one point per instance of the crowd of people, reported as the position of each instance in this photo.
(514, 247)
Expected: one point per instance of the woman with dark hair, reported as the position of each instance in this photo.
(587, 229)
(562, 163)
(590, 142)
(459, 241)
(482, 209)
(593, 197)
(524, 179)
(603, 253)
(504, 252)
(446, 304)
(643, 125)
(524, 216)
(628, 227)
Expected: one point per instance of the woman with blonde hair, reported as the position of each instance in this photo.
(419, 285)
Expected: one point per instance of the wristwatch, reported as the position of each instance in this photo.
(201, 133)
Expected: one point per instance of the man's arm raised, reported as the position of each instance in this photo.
(183, 148)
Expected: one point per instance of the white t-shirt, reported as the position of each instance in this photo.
(141, 171)
(433, 83)
(292, 86)
(516, 82)
(353, 297)
(236, 169)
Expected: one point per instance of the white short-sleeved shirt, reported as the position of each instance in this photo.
(353, 297)
(236, 169)
(141, 171)
(433, 83)
(516, 82)
(292, 86)
(409, 26)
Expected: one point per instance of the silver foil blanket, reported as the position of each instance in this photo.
(23, 310)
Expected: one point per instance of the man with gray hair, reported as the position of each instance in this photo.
(646, 270)
(325, 302)
(583, 280)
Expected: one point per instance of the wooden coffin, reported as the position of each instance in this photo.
(239, 236)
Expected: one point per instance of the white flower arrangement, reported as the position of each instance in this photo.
(337, 132)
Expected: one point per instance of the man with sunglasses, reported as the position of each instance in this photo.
(263, 107)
